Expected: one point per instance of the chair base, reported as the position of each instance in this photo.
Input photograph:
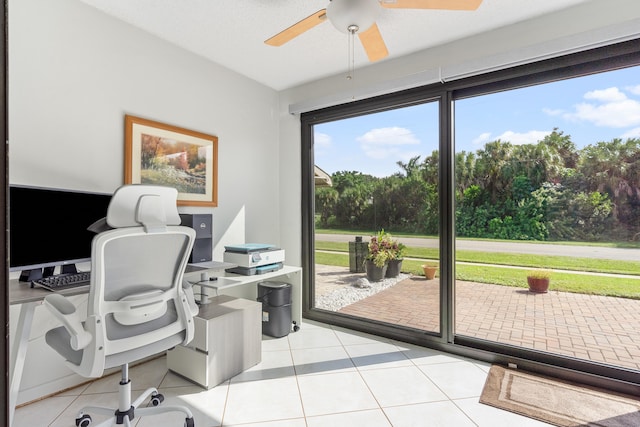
(127, 411)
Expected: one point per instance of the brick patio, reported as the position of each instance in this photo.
(603, 329)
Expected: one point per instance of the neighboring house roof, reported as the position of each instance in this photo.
(322, 179)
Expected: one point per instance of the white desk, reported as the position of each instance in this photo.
(230, 284)
(240, 286)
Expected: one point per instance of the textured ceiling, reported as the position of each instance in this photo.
(232, 32)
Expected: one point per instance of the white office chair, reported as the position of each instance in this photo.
(138, 304)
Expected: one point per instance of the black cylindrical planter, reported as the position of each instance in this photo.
(276, 308)
(358, 251)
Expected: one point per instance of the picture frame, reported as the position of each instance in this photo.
(161, 154)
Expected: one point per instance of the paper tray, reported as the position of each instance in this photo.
(251, 271)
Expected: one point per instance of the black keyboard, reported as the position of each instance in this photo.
(63, 281)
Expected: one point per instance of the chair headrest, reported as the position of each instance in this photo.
(152, 206)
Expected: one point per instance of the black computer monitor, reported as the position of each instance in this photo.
(48, 228)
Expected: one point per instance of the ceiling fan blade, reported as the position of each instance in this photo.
(298, 28)
(432, 4)
(373, 43)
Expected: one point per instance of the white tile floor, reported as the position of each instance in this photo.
(321, 376)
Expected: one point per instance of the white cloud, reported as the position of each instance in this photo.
(322, 144)
(531, 137)
(551, 112)
(633, 133)
(613, 114)
(322, 141)
(515, 138)
(634, 89)
(611, 94)
(610, 108)
(382, 143)
(482, 138)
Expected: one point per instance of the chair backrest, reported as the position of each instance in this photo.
(137, 306)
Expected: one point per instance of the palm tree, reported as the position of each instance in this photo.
(492, 168)
(412, 168)
(564, 146)
(614, 167)
(465, 164)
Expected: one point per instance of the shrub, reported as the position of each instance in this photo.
(539, 274)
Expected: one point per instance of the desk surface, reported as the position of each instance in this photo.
(226, 280)
(209, 265)
(22, 292)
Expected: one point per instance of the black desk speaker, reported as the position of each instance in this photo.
(203, 243)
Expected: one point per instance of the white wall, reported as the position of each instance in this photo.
(75, 72)
(73, 75)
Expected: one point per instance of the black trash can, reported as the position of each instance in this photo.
(276, 308)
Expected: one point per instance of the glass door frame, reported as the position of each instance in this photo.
(607, 58)
(308, 120)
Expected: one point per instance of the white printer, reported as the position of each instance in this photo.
(254, 258)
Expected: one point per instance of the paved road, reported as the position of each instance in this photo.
(619, 254)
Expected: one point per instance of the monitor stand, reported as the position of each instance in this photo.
(68, 269)
(35, 274)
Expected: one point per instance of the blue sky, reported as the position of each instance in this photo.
(590, 109)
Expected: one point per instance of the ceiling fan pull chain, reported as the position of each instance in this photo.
(353, 29)
(351, 62)
(351, 77)
(349, 41)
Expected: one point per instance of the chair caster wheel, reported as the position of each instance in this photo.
(157, 399)
(296, 328)
(83, 420)
(188, 422)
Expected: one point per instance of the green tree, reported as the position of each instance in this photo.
(351, 204)
(325, 203)
(465, 170)
(492, 170)
(563, 145)
(344, 180)
(614, 168)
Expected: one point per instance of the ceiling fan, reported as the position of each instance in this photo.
(359, 17)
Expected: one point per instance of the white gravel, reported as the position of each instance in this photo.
(354, 292)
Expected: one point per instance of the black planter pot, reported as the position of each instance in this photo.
(393, 268)
(375, 273)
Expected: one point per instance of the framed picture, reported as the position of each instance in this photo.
(160, 154)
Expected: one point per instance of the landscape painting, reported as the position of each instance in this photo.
(160, 154)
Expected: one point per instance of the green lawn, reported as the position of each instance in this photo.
(560, 281)
(367, 233)
(520, 260)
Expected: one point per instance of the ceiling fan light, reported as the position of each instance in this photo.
(345, 13)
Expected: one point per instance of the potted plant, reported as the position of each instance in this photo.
(429, 271)
(378, 257)
(538, 280)
(396, 255)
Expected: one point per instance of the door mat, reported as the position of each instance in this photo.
(558, 402)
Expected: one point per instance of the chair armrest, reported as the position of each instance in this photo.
(188, 291)
(66, 313)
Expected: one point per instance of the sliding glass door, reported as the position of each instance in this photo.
(376, 192)
(548, 186)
